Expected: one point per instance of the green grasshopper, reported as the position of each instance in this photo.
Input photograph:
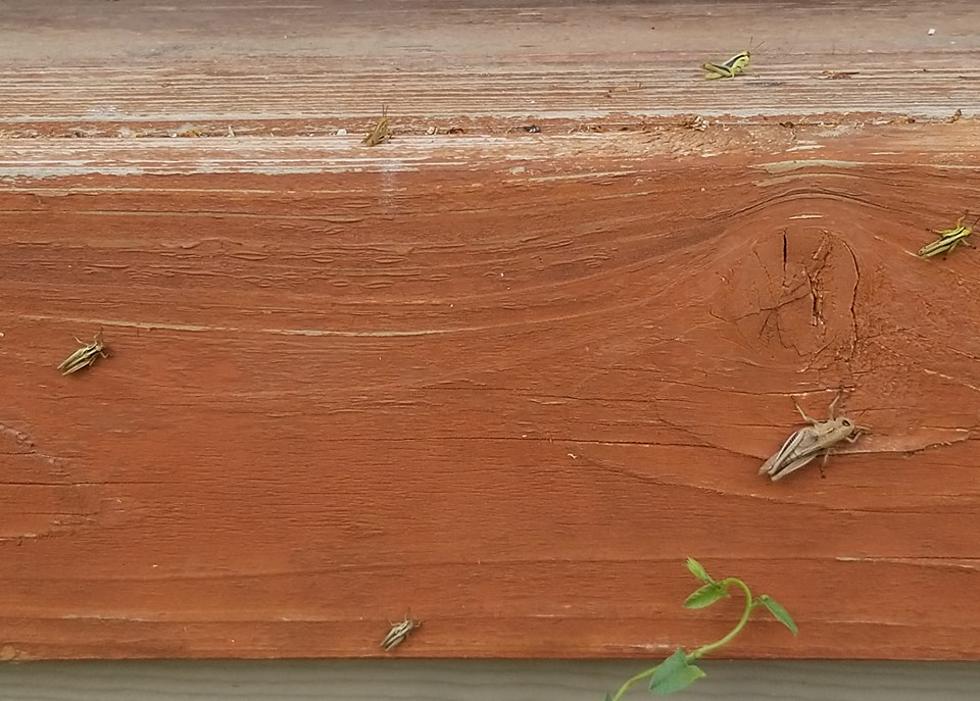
(734, 66)
(810, 441)
(730, 68)
(949, 239)
(84, 356)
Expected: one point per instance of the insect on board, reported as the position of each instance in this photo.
(381, 131)
(810, 441)
(398, 633)
(949, 239)
(84, 356)
(734, 66)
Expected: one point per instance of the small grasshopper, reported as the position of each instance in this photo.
(399, 631)
(949, 239)
(380, 132)
(84, 356)
(734, 66)
(809, 442)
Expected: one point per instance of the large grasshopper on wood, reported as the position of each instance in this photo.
(810, 441)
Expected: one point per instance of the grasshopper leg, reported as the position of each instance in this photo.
(833, 405)
(808, 419)
(823, 464)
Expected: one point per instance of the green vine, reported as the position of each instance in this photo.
(678, 672)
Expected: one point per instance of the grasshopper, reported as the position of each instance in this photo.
(729, 69)
(809, 442)
(84, 356)
(734, 66)
(949, 239)
(381, 131)
(399, 631)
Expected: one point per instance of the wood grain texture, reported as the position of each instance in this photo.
(142, 68)
(417, 680)
(503, 381)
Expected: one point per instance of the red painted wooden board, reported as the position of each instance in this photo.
(502, 381)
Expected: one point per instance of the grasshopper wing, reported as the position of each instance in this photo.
(794, 465)
(798, 441)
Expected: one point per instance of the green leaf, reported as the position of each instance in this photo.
(705, 596)
(682, 679)
(697, 569)
(780, 614)
(668, 667)
(608, 696)
(674, 674)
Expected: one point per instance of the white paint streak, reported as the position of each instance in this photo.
(949, 377)
(917, 561)
(786, 166)
(582, 176)
(199, 328)
(776, 167)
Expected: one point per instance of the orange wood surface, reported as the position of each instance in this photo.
(502, 381)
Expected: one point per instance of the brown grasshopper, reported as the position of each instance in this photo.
(807, 443)
(380, 132)
(84, 356)
(399, 631)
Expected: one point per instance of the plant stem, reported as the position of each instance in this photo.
(704, 649)
(749, 605)
(633, 680)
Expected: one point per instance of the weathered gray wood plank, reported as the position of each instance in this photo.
(132, 68)
(476, 681)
